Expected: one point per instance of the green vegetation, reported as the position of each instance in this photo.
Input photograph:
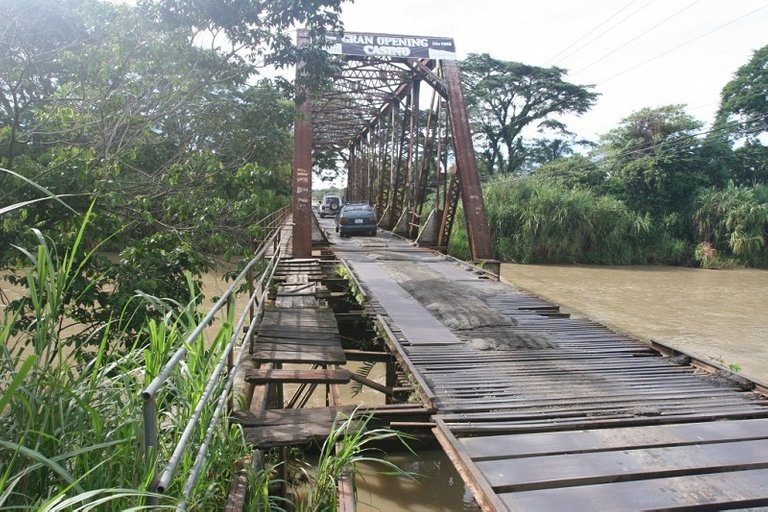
(349, 443)
(71, 423)
(656, 189)
(157, 114)
(503, 98)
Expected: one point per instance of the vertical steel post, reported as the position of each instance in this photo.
(302, 164)
(413, 141)
(351, 175)
(479, 235)
(251, 308)
(361, 170)
(149, 411)
(231, 355)
(394, 164)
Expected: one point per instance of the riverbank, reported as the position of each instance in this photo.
(717, 315)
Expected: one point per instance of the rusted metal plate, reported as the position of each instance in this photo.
(413, 320)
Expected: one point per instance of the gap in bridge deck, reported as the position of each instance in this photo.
(301, 363)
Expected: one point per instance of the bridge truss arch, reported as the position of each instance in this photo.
(393, 110)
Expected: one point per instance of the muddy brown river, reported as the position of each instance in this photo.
(717, 315)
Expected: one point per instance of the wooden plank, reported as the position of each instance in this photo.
(560, 424)
(319, 355)
(309, 376)
(290, 332)
(295, 339)
(278, 417)
(741, 489)
(549, 443)
(547, 471)
(285, 427)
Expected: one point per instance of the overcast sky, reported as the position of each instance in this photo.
(638, 53)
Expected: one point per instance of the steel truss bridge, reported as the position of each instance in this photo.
(412, 161)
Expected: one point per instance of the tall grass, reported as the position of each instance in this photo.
(540, 221)
(734, 222)
(70, 420)
(349, 443)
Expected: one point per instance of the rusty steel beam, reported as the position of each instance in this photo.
(481, 247)
(400, 180)
(449, 214)
(302, 168)
(352, 175)
(420, 183)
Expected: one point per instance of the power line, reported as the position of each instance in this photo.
(670, 144)
(680, 141)
(609, 18)
(601, 34)
(720, 27)
(637, 37)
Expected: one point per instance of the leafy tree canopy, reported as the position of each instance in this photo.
(505, 97)
(652, 159)
(743, 109)
(153, 112)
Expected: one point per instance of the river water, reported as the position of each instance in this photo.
(716, 315)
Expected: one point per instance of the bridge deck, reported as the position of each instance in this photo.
(543, 412)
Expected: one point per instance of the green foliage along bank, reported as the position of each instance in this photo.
(657, 189)
(175, 138)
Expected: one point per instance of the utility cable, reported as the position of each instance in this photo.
(680, 141)
(589, 32)
(683, 44)
(601, 34)
(637, 37)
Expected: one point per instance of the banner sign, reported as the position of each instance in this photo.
(384, 45)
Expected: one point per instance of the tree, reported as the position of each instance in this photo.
(743, 109)
(653, 159)
(33, 41)
(256, 31)
(575, 171)
(751, 164)
(743, 120)
(544, 151)
(505, 97)
(174, 143)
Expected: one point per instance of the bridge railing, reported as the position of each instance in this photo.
(269, 251)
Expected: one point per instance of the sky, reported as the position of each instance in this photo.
(637, 53)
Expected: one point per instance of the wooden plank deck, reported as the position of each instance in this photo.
(294, 329)
(584, 419)
(285, 427)
(271, 375)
